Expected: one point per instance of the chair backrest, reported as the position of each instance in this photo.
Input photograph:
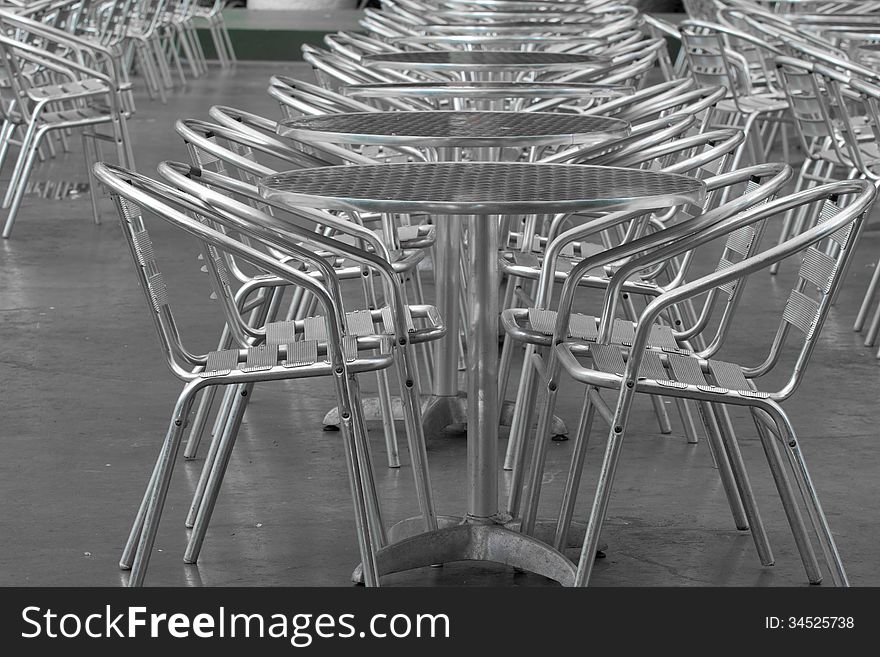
(670, 247)
(643, 100)
(641, 136)
(704, 10)
(846, 109)
(312, 231)
(744, 49)
(824, 253)
(333, 71)
(629, 65)
(299, 98)
(384, 25)
(870, 99)
(233, 156)
(266, 129)
(661, 29)
(137, 196)
(708, 60)
(818, 278)
(807, 103)
(317, 227)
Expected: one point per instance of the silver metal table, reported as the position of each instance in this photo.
(511, 41)
(520, 5)
(488, 64)
(454, 129)
(500, 27)
(551, 17)
(447, 135)
(488, 95)
(475, 194)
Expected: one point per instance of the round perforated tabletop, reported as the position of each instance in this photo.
(480, 188)
(501, 27)
(450, 15)
(519, 5)
(480, 60)
(499, 40)
(454, 128)
(499, 89)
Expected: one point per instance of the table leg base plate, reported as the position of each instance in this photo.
(545, 530)
(468, 541)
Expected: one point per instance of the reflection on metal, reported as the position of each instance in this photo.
(57, 189)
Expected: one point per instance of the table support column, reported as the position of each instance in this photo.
(447, 280)
(482, 387)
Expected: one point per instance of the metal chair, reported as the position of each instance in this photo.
(547, 259)
(423, 324)
(712, 61)
(326, 347)
(405, 248)
(639, 368)
(69, 95)
(211, 11)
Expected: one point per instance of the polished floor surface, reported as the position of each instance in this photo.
(85, 397)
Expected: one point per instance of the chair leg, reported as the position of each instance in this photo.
(743, 485)
(371, 534)
(26, 142)
(158, 45)
(216, 469)
(185, 45)
(88, 150)
(789, 505)
(576, 468)
(158, 489)
(868, 299)
(656, 401)
(389, 430)
(517, 445)
(427, 368)
(174, 47)
(21, 183)
(811, 498)
(873, 329)
(415, 436)
(219, 46)
(602, 497)
(384, 391)
(223, 420)
(532, 492)
(200, 420)
(5, 139)
(227, 39)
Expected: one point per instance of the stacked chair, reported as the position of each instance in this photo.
(715, 111)
(67, 66)
(832, 95)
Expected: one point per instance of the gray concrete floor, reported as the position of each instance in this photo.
(85, 397)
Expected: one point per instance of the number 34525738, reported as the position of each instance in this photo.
(809, 622)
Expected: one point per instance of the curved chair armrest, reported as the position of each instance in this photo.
(667, 243)
(115, 179)
(866, 191)
(173, 172)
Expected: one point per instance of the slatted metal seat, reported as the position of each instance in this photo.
(676, 369)
(68, 90)
(586, 327)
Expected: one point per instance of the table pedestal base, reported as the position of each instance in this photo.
(472, 541)
(439, 413)
(457, 539)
